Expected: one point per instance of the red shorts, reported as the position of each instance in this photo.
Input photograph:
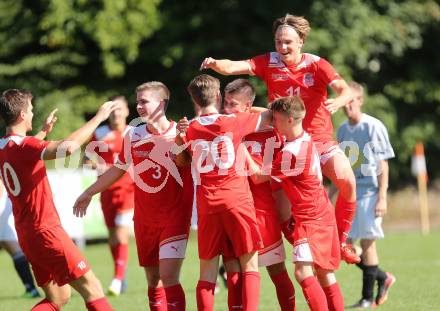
(116, 201)
(159, 242)
(273, 249)
(53, 256)
(317, 243)
(232, 233)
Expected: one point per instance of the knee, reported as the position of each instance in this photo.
(169, 278)
(299, 275)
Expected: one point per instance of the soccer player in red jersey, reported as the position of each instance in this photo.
(297, 169)
(239, 96)
(118, 200)
(287, 72)
(55, 260)
(227, 224)
(163, 196)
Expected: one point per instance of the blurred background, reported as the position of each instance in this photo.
(73, 54)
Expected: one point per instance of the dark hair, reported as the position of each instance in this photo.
(12, 102)
(242, 86)
(204, 90)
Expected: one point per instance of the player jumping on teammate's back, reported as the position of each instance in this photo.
(287, 72)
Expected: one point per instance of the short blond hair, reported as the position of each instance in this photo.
(356, 86)
(292, 106)
(299, 23)
(157, 87)
(204, 90)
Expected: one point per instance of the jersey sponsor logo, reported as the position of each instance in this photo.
(280, 77)
(308, 79)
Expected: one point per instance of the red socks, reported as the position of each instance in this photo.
(251, 290)
(175, 297)
(100, 304)
(205, 296)
(285, 291)
(314, 294)
(45, 305)
(157, 299)
(335, 300)
(234, 291)
(120, 258)
(344, 212)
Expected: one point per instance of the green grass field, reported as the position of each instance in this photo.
(414, 260)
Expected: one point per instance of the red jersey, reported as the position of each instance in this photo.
(215, 140)
(263, 147)
(163, 192)
(107, 144)
(308, 79)
(297, 168)
(24, 175)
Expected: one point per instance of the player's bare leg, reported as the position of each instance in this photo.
(156, 292)
(206, 285)
(234, 282)
(283, 285)
(89, 287)
(310, 285)
(118, 241)
(169, 271)
(339, 171)
(251, 281)
(331, 288)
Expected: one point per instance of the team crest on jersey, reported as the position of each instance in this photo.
(308, 80)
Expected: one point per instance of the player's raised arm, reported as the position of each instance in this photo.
(48, 125)
(226, 67)
(65, 147)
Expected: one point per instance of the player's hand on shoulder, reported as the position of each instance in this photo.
(81, 204)
(105, 110)
(182, 125)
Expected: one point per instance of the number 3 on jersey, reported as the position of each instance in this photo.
(293, 91)
(8, 174)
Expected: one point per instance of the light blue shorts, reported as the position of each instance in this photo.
(365, 224)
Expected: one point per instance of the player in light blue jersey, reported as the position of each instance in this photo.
(365, 140)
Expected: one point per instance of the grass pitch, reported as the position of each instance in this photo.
(413, 259)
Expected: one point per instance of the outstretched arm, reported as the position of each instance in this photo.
(344, 96)
(67, 146)
(104, 181)
(227, 67)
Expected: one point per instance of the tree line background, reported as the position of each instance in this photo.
(74, 54)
